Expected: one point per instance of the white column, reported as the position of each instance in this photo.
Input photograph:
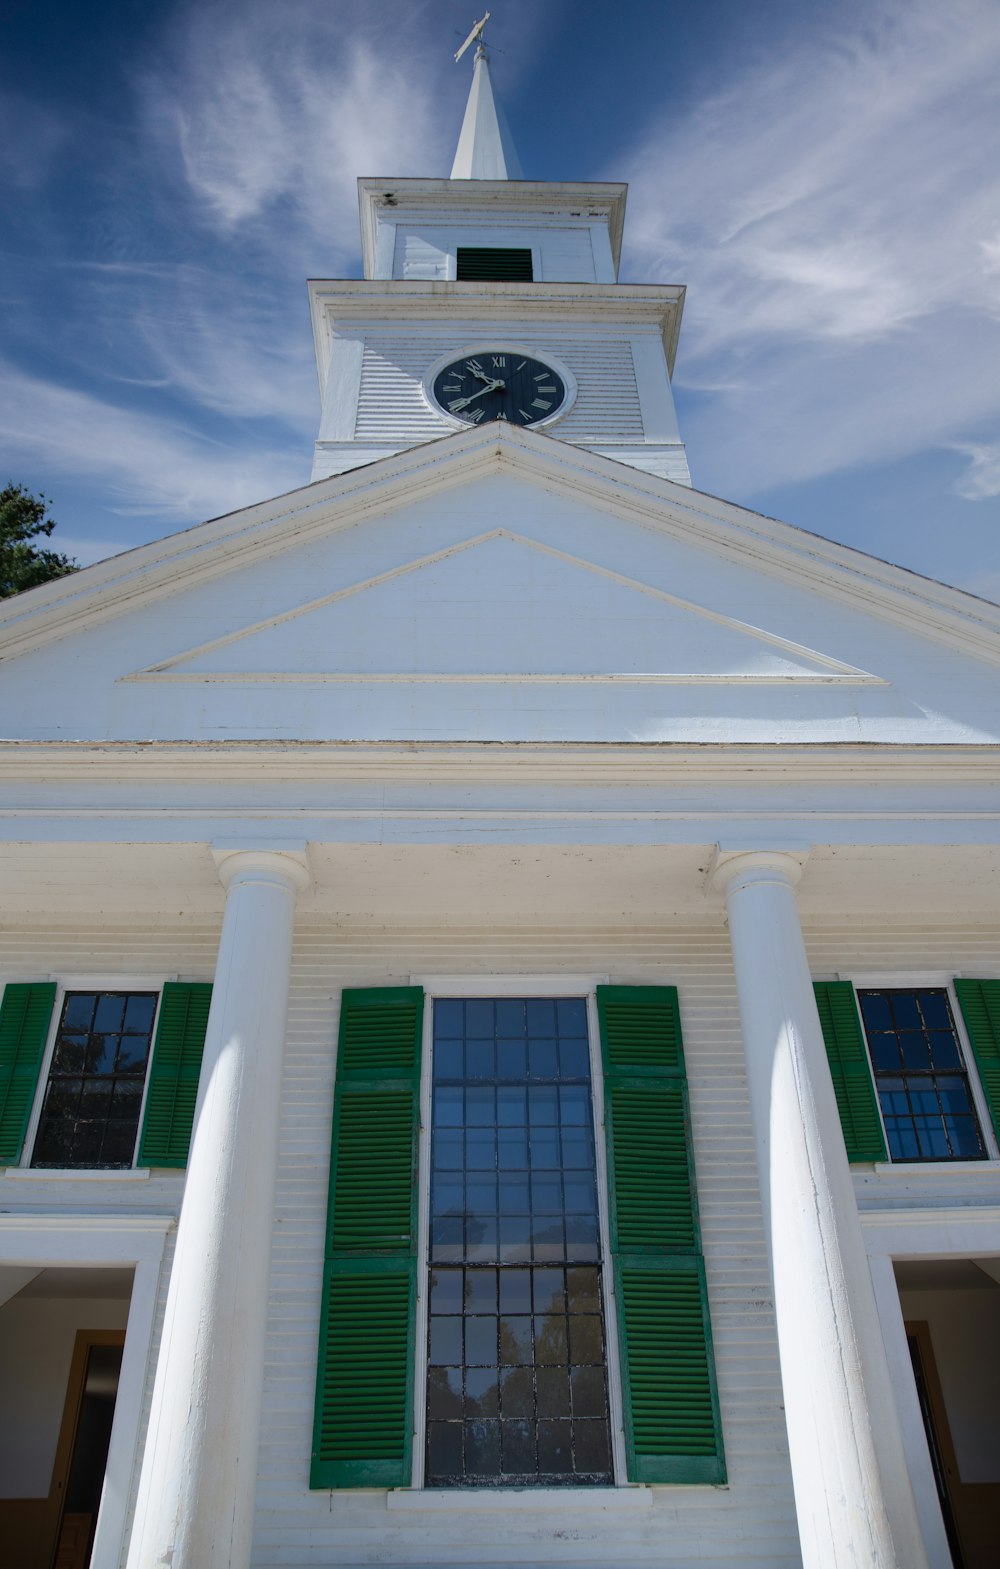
(852, 1492)
(196, 1493)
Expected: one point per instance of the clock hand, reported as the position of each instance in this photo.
(463, 403)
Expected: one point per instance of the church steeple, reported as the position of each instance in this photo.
(486, 148)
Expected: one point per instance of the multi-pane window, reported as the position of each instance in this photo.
(93, 1095)
(920, 1074)
(517, 1374)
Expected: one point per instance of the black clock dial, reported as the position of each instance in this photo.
(499, 384)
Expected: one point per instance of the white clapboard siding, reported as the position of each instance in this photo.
(392, 407)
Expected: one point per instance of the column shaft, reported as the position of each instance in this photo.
(852, 1492)
(196, 1494)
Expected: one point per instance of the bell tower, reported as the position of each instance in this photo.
(489, 296)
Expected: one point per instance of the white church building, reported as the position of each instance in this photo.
(500, 1028)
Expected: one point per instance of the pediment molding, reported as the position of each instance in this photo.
(197, 555)
(819, 667)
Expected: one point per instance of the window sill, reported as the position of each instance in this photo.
(931, 1168)
(69, 1174)
(542, 1499)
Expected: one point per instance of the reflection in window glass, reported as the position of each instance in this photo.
(920, 1076)
(90, 1114)
(517, 1381)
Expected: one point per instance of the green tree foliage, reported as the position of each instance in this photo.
(23, 563)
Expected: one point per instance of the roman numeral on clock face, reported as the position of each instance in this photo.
(540, 403)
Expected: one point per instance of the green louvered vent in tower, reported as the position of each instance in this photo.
(847, 1055)
(25, 1016)
(364, 1386)
(484, 264)
(673, 1431)
(980, 1004)
(174, 1073)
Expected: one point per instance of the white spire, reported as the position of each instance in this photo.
(486, 148)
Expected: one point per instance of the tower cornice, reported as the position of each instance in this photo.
(337, 301)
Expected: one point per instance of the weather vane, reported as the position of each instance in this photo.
(477, 33)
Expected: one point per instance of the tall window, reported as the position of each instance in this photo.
(93, 1097)
(920, 1075)
(517, 1374)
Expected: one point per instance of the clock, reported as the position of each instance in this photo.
(499, 384)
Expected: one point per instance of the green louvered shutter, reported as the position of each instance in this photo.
(673, 1431)
(174, 1072)
(852, 1079)
(364, 1384)
(25, 1015)
(980, 1005)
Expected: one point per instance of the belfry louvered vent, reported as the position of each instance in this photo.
(493, 264)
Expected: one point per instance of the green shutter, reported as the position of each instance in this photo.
(980, 1005)
(673, 1431)
(174, 1072)
(852, 1079)
(364, 1385)
(25, 1015)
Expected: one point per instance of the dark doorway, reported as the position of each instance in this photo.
(84, 1444)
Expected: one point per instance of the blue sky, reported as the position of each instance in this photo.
(825, 178)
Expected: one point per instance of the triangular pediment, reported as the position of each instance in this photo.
(501, 607)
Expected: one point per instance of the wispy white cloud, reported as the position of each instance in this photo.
(982, 478)
(834, 210)
(148, 465)
(272, 119)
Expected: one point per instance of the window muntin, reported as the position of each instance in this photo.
(920, 1074)
(93, 1094)
(517, 1377)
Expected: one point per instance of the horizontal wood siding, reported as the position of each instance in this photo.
(391, 406)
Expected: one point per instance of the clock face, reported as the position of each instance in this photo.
(499, 384)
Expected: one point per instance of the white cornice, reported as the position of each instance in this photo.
(337, 302)
(257, 533)
(649, 762)
(480, 198)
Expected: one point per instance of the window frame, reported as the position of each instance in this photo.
(465, 986)
(87, 983)
(928, 980)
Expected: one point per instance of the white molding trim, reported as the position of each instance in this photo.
(98, 1241)
(506, 985)
(642, 762)
(946, 1231)
(831, 669)
(541, 1500)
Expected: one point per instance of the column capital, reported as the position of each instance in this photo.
(731, 868)
(282, 863)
